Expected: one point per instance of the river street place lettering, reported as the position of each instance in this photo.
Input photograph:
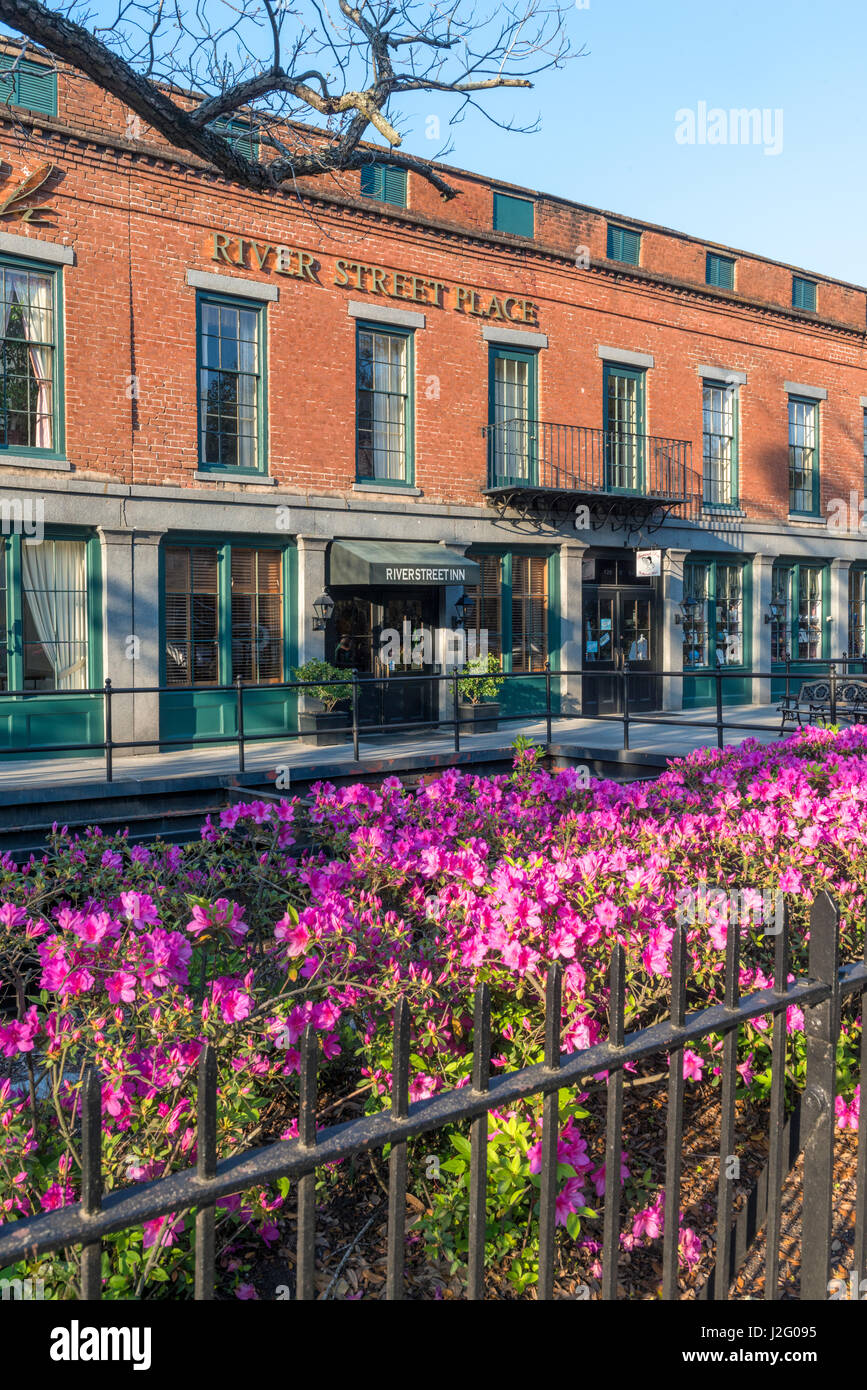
(246, 253)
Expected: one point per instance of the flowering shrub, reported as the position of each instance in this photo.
(132, 957)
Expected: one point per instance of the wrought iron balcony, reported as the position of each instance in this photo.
(534, 465)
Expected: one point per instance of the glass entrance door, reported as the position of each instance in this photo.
(386, 635)
(618, 625)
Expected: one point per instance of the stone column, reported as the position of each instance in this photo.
(671, 629)
(838, 610)
(763, 566)
(311, 583)
(571, 616)
(131, 632)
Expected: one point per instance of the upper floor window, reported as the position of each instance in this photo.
(803, 456)
(720, 271)
(384, 405)
(231, 404)
(624, 428)
(240, 133)
(624, 244)
(385, 182)
(512, 391)
(515, 215)
(803, 293)
(28, 406)
(719, 444)
(28, 84)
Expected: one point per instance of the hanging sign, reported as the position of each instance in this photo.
(648, 564)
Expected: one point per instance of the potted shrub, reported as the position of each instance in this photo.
(478, 689)
(327, 724)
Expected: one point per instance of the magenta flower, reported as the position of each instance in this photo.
(693, 1065)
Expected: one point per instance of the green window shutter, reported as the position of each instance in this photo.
(34, 87)
(720, 271)
(515, 215)
(803, 293)
(384, 182)
(623, 244)
(240, 134)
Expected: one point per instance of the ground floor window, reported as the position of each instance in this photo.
(47, 608)
(510, 608)
(797, 612)
(857, 613)
(713, 605)
(223, 614)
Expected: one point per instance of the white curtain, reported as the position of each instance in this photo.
(55, 590)
(37, 316)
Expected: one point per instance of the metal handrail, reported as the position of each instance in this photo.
(622, 673)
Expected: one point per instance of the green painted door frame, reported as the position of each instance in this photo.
(187, 710)
(527, 696)
(801, 669)
(699, 689)
(499, 353)
(611, 370)
(47, 718)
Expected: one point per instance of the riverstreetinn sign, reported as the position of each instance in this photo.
(245, 253)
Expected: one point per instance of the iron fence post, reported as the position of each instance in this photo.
(457, 714)
(109, 761)
(720, 741)
(548, 701)
(624, 671)
(355, 716)
(91, 1180)
(833, 700)
(821, 1027)
(239, 688)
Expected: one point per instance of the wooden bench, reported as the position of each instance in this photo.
(812, 704)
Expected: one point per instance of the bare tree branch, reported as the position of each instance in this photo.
(281, 64)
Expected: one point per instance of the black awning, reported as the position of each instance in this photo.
(393, 564)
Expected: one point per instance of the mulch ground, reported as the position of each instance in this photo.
(351, 1220)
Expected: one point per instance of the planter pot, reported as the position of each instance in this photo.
(484, 717)
(324, 728)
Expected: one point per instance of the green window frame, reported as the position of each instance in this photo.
(799, 605)
(240, 132)
(231, 376)
(719, 271)
(857, 625)
(223, 612)
(804, 422)
(385, 183)
(384, 404)
(720, 443)
(804, 294)
(624, 244)
(50, 612)
(624, 391)
(517, 604)
(513, 387)
(515, 215)
(32, 86)
(715, 626)
(31, 359)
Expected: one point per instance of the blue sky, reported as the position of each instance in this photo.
(608, 124)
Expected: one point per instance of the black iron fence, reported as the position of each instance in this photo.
(562, 704)
(820, 995)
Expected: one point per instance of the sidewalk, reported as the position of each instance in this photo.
(596, 736)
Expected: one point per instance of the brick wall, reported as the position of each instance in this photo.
(137, 221)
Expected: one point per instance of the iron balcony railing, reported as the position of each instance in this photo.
(537, 454)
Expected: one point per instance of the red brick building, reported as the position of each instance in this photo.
(220, 404)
